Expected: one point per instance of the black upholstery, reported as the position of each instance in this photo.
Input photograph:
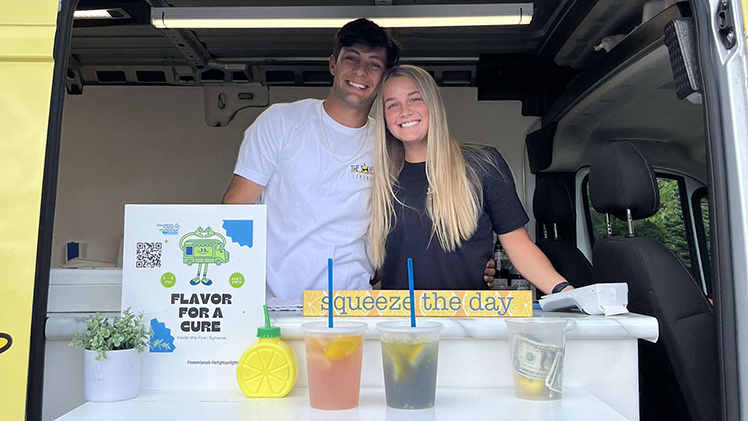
(553, 203)
(621, 178)
(678, 375)
(569, 262)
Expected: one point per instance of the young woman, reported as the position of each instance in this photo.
(439, 201)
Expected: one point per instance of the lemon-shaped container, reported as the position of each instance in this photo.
(269, 368)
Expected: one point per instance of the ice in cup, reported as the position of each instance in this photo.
(333, 358)
(536, 350)
(410, 357)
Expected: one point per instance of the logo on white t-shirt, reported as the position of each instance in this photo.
(362, 171)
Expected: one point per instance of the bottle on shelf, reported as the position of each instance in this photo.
(500, 280)
(269, 368)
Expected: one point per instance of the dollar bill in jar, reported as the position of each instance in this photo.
(538, 367)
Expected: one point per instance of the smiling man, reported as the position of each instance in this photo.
(311, 162)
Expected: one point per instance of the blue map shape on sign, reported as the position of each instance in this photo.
(240, 231)
(161, 341)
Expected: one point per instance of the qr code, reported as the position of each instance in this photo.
(149, 255)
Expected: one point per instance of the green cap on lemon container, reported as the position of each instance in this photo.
(267, 331)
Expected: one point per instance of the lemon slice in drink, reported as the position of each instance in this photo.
(531, 386)
(404, 357)
(342, 347)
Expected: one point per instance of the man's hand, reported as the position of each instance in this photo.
(490, 272)
(376, 281)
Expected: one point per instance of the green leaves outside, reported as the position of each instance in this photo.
(666, 226)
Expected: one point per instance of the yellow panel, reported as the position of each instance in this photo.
(28, 12)
(27, 30)
(26, 43)
(744, 6)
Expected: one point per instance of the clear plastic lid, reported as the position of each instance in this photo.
(340, 328)
(403, 326)
(536, 324)
(537, 321)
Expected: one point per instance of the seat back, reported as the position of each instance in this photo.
(678, 376)
(553, 206)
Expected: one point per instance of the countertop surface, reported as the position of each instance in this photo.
(451, 404)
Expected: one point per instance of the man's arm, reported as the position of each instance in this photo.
(242, 191)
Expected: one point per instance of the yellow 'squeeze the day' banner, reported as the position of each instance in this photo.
(393, 303)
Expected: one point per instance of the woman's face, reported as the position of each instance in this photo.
(404, 110)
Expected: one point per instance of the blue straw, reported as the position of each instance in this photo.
(329, 292)
(412, 300)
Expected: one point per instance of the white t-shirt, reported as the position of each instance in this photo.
(318, 207)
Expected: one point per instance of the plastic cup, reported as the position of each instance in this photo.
(333, 359)
(536, 352)
(410, 359)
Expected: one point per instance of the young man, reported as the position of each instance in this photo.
(310, 162)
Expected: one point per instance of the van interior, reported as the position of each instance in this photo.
(157, 116)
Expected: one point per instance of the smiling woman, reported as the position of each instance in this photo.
(407, 116)
(428, 184)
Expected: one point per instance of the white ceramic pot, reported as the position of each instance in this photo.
(115, 378)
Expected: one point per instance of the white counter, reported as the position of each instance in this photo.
(451, 405)
(474, 377)
(600, 374)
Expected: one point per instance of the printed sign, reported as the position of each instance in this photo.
(394, 303)
(198, 273)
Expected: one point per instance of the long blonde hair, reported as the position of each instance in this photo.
(455, 197)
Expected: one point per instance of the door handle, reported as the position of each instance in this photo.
(8, 343)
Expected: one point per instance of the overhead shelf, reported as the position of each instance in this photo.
(644, 39)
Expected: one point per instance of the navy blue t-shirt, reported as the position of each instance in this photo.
(434, 268)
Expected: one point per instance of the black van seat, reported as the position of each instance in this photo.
(552, 205)
(678, 375)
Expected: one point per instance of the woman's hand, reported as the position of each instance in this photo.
(530, 261)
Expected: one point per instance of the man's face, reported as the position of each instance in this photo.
(357, 73)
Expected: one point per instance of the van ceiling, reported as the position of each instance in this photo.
(131, 51)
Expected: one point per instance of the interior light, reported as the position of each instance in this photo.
(101, 14)
(415, 16)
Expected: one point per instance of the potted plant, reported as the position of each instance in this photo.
(111, 361)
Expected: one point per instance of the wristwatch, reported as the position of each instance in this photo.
(560, 287)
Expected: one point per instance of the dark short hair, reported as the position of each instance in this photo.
(364, 32)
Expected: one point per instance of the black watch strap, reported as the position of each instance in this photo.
(560, 287)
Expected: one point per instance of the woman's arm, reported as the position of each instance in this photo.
(530, 261)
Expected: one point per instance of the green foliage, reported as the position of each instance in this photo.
(704, 203)
(124, 332)
(666, 226)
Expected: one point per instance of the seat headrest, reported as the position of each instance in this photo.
(551, 202)
(621, 178)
